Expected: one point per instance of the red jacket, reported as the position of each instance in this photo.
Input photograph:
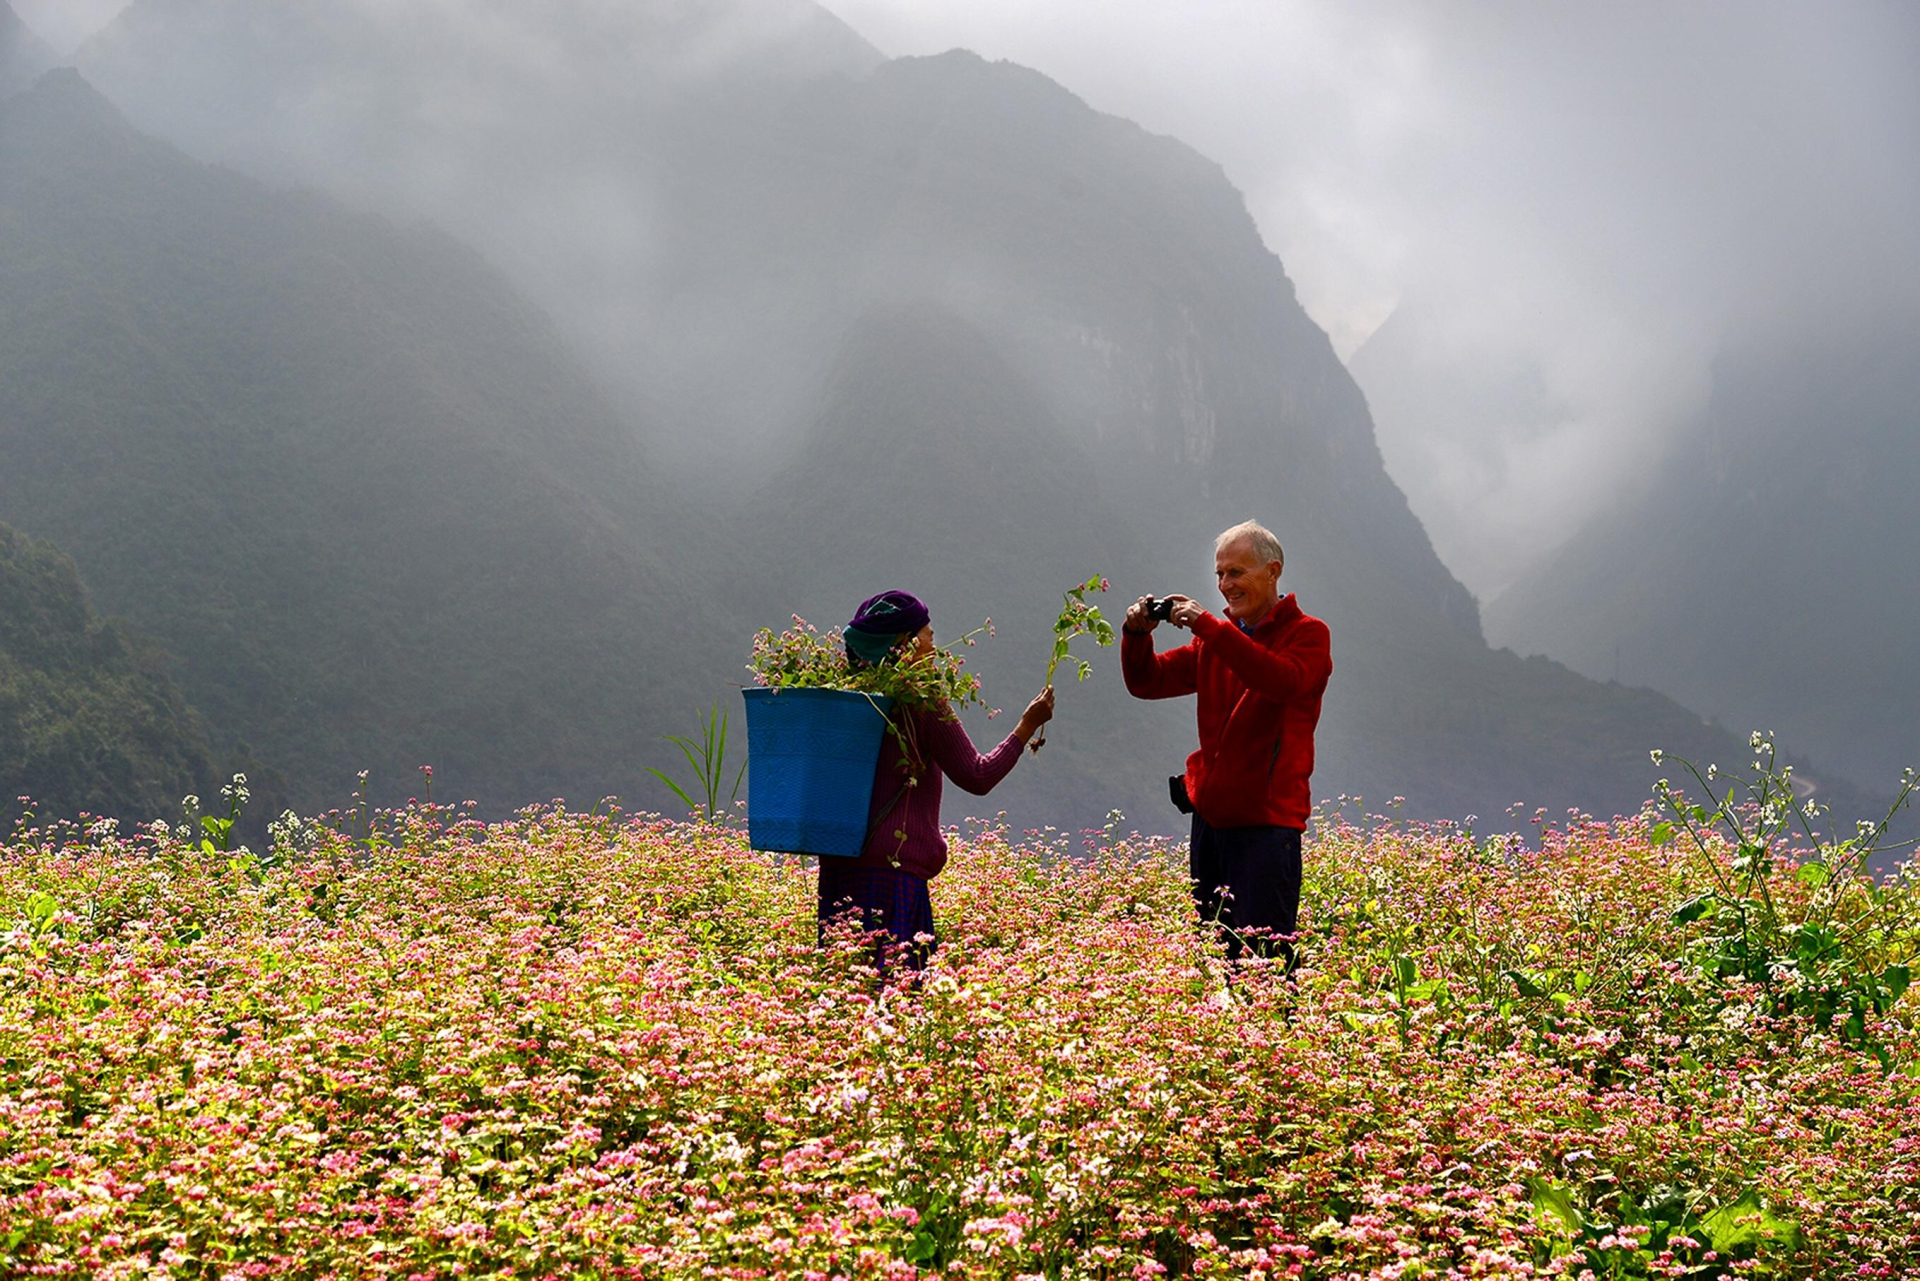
(1259, 702)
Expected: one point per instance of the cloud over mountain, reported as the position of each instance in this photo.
(1569, 209)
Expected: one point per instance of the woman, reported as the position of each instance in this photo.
(885, 889)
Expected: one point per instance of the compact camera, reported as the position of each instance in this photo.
(1161, 610)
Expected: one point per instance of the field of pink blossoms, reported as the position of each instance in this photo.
(574, 1045)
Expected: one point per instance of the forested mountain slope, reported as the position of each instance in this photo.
(339, 468)
(90, 719)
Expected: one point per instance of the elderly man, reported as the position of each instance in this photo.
(1259, 674)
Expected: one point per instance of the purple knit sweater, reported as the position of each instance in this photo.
(907, 836)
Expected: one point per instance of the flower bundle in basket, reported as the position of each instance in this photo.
(816, 720)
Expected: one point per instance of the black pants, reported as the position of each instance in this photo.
(1247, 879)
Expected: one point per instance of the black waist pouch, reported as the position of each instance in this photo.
(1177, 793)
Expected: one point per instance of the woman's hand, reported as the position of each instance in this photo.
(1038, 713)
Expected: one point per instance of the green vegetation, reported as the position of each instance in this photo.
(337, 468)
(802, 657)
(1822, 955)
(707, 758)
(582, 1045)
(1077, 619)
(90, 719)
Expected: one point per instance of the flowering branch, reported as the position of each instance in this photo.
(1077, 619)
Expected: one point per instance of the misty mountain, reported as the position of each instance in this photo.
(1765, 574)
(938, 464)
(23, 55)
(339, 468)
(1101, 368)
(90, 718)
(602, 155)
(935, 324)
(1451, 422)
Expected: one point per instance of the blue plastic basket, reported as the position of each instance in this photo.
(811, 755)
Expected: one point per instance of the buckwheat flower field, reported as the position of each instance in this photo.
(575, 1045)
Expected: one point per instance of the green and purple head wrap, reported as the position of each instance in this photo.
(880, 622)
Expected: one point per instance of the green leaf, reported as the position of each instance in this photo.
(1814, 874)
(1693, 909)
(1745, 1222)
(924, 1248)
(1554, 1208)
(1660, 833)
(1897, 979)
(686, 800)
(1526, 984)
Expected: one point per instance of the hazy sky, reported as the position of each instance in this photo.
(65, 23)
(1572, 205)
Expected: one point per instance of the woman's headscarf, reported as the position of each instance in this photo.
(880, 622)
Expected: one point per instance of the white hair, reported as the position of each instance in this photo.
(1255, 535)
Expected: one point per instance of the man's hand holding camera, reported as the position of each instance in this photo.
(1146, 613)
